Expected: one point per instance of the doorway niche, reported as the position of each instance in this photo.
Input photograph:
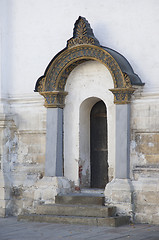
(90, 169)
(86, 85)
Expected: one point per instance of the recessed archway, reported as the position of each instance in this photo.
(80, 49)
(84, 141)
(88, 84)
(89, 152)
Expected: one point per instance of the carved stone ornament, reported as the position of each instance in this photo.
(83, 46)
(82, 34)
(122, 95)
(54, 99)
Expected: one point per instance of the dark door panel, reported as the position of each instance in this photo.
(98, 146)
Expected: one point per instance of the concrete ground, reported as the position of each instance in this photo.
(11, 229)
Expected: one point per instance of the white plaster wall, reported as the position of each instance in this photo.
(0, 52)
(34, 31)
(88, 80)
(3, 22)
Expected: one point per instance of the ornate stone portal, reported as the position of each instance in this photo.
(82, 47)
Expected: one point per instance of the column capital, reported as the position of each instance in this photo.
(122, 95)
(54, 99)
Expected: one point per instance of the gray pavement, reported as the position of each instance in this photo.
(11, 229)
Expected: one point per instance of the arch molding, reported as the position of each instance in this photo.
(82, 47)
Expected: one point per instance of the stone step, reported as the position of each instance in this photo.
(92, 191)
(80, 199)
(96, 221)
(76, 210)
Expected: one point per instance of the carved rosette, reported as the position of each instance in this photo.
(54, 99)
(122, 95)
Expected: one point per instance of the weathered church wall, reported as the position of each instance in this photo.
(145, 157)
(31, 33)
(23, 151)
(139, 197)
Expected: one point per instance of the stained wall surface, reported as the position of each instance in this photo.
(31, 33)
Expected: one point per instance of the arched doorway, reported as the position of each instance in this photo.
(98, 146)
(82, 48)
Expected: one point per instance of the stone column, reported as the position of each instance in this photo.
(54, 143)
(119, 191)
(53, 182)
(122, 161)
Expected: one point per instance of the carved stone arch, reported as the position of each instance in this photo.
(83, 46)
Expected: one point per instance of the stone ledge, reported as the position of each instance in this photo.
(149, 171)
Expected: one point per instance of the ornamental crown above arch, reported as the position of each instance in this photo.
(83, 46)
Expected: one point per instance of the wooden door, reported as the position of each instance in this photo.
(98, 146)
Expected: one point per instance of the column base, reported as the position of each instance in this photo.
(48, 187)
(118, 193)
